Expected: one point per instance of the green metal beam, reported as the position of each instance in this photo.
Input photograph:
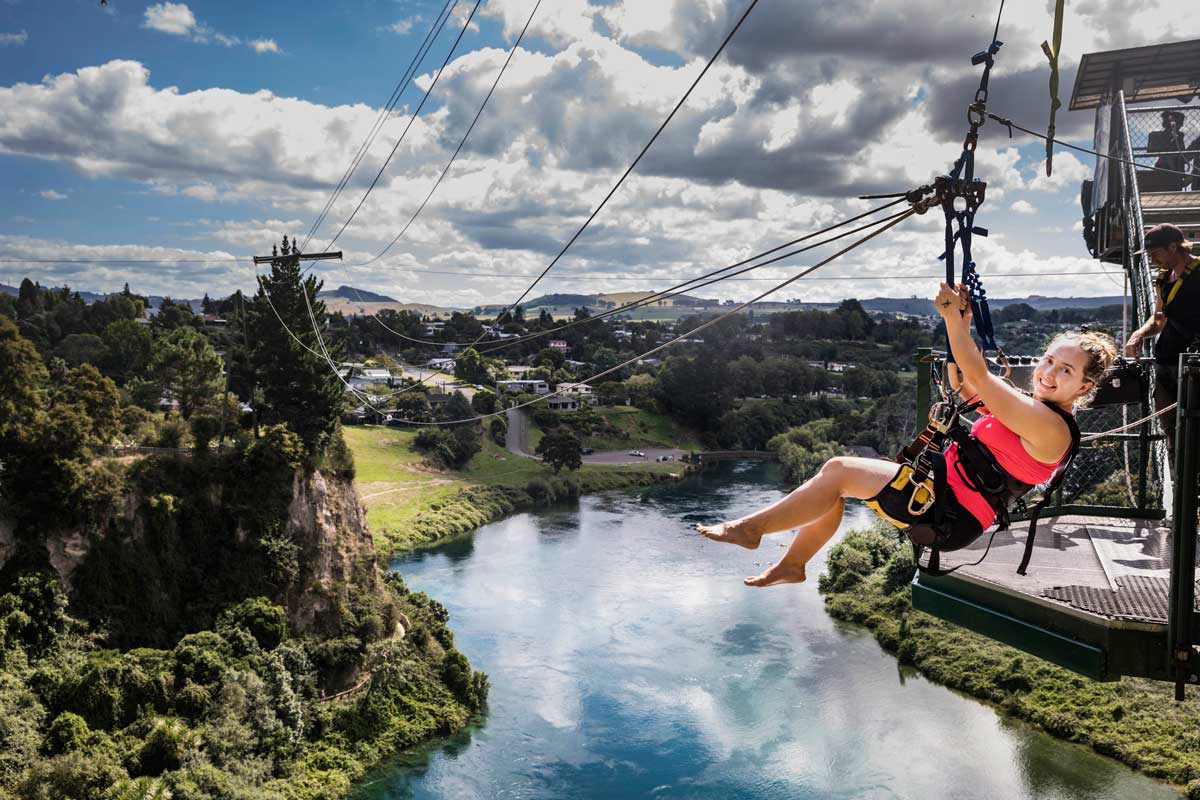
(1069, 653)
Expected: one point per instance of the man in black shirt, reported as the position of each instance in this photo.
(1176, 320)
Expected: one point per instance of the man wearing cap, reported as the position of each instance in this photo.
(1176, 320)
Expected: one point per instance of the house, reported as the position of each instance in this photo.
(212, 319)
(622, 335)
(575, 365)
(437, 400)
(559, 345)
(377, 375)
(517, 370)
(562, 404)
(441, 364)
(530, 387)
(580, 391)
(432, 328)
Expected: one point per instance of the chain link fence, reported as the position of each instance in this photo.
(1167, 137)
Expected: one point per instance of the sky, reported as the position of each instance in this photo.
(208, 130)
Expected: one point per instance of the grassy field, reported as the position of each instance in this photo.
(628, 427)
(410, 502)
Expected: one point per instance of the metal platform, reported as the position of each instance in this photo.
(1094, 599)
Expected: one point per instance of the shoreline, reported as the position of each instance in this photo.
(1135, 722)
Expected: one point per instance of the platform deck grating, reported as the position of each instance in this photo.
(1111, 567)
(1136, 598)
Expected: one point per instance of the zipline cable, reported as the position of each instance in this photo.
(662, 294)
(737, 309)
(1008, 123)
(643, 152)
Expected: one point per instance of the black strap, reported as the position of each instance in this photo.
(1055, 480)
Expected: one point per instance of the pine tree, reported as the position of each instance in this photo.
(297, 387)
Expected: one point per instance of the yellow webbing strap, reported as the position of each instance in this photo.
(1195, 262)
(920, 500)
(1055, 103)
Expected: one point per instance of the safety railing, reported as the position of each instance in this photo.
(1166, 137)
(1138, 267)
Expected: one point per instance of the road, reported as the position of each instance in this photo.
(517, 440)
(439, 381)
(518, 427)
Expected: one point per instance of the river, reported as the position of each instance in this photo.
(628, 661)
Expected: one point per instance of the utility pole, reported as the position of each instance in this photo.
(290, 255)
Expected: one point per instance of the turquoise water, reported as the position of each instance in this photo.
(628, 661)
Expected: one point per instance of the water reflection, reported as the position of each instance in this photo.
(627, 660)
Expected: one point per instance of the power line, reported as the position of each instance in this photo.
(643, 152)
(512, 51)
(439, 23)
(407, 127)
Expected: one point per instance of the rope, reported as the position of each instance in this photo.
(1008, 123)
(1091, 437)
(1051, 51)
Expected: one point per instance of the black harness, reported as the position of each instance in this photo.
(928, 519)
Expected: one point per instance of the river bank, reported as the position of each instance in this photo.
(1136, 722)
(411, 504)
(626, 659)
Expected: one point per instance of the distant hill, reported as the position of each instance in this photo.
(356, 295)
(923, 305)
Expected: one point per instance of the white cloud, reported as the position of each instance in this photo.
(16, 39)
(403, 26)
(201, 191)
(1067, 172)
(264, 46)
(228, 41)
(173, 18)
(1023, 207)
(50, 194)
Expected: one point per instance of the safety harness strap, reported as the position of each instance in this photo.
(1055, 480)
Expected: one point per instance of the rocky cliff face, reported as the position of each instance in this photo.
(329, 524)
(180, 544)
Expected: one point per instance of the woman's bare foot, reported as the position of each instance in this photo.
(731, 532)
(779, 572)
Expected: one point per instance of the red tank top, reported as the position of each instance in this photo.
(1010, 454)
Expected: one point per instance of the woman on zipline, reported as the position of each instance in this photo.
(1028, 436)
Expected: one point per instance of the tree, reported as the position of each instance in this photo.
(298, 388)
(549, 354)
(559, 448)
(82, 348)
(172, 315)
(188, 369)
(470, 366)
(128, 349)
(484, 402)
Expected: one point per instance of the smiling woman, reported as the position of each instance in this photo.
(1019, 441)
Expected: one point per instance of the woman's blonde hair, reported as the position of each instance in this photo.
(1101, 352)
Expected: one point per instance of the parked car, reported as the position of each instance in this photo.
(637, 453)
(587, 451)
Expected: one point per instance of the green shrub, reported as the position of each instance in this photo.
(67, 732)
(265, 621)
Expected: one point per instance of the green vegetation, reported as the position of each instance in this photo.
(1135, 721)
(234, 712)
(411, 502)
